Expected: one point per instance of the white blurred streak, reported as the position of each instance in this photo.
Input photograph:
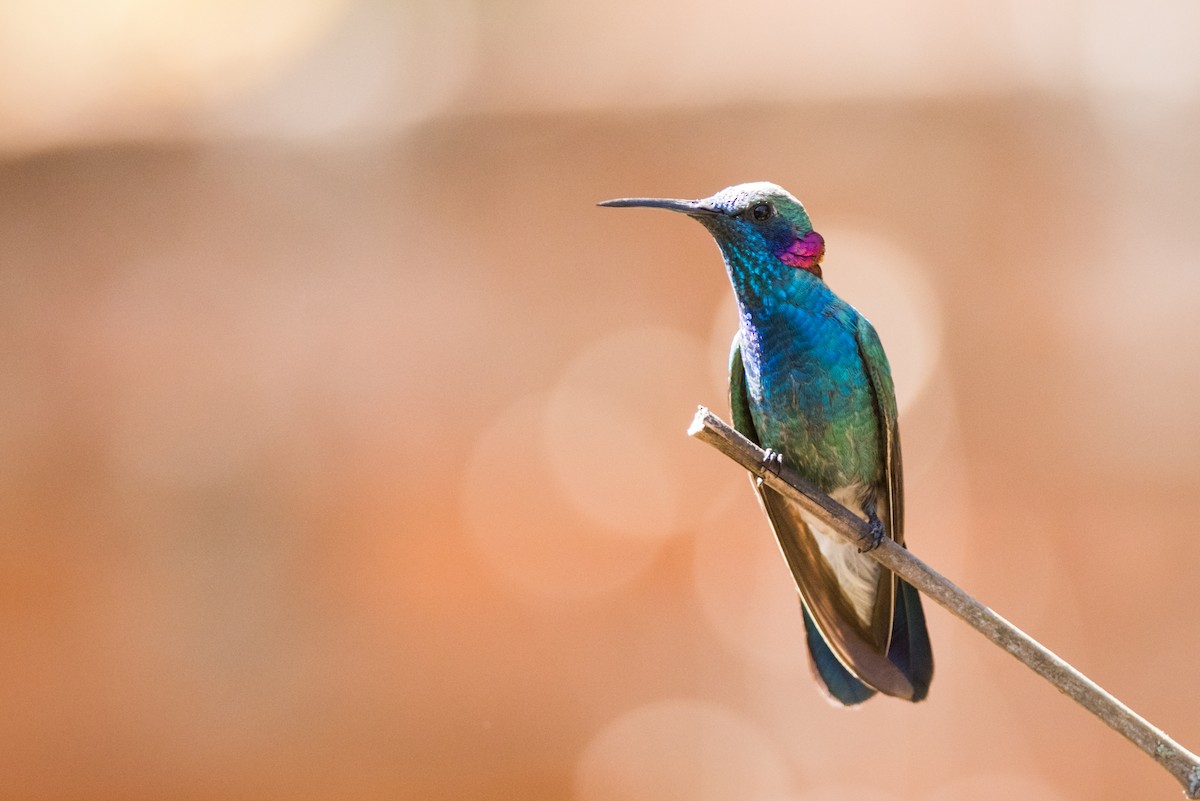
(386, 65)
(678, 54)
(1141, 65)
(1144, 50)
(71, 69)
(1045, 42)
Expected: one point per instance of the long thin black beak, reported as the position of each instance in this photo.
(692, 207)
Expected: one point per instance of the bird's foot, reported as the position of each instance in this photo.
(772, 462)
(875, 535)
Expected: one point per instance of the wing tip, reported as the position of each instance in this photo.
(906, 673)
(839, 686)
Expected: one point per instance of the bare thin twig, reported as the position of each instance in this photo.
(1181, 763)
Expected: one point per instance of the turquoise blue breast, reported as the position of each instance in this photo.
(810, 395)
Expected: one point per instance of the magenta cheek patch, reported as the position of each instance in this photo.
(805, 253)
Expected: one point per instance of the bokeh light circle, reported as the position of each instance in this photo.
(615, 432)
(680, 750)
(524, 529)
(611, 466)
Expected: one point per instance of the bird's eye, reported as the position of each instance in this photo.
(762, 211)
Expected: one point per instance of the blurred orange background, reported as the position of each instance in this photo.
(343, 437)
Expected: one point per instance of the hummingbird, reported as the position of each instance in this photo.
(809, 382)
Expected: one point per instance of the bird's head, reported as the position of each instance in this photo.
(751, 222)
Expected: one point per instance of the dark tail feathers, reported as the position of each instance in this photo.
(909, 651)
